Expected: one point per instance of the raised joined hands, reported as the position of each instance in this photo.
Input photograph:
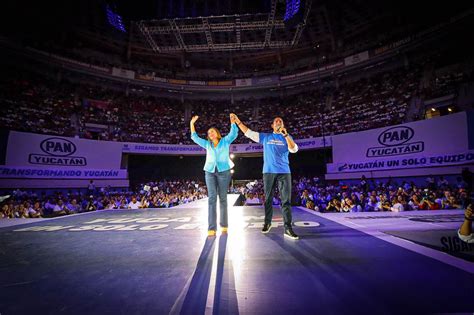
(234, 118)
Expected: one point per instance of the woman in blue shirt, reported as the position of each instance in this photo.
(217, 170)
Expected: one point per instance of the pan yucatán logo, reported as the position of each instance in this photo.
(59, 152)
(396, 141)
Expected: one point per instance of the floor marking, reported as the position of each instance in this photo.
(419, 249)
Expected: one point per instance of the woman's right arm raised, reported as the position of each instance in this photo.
(194, 136)
(193, 120)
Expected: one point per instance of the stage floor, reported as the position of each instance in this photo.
(159, 261)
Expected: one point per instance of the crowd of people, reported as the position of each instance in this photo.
(32, 103)
(368, 195)
(161, 194)
(312, 193)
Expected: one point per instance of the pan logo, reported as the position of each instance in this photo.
(396, 135)
(58, 147)
(396, 141)
(59, 152)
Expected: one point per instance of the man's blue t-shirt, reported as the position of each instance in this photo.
(275, 153)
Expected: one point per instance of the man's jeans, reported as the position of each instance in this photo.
(217, 183)
(284, 186)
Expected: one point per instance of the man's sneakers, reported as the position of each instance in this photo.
(290, 234)
(266, 228)
(288, 231)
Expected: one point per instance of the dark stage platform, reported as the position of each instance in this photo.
(160, 261)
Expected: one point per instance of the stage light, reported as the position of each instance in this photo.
(433, 109)
(292, 8)
(232, 171)
(114, 19)
(450, 109)
(232, 155)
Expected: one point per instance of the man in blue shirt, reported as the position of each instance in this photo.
(276, 170)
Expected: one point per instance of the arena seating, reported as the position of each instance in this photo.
(32, 103)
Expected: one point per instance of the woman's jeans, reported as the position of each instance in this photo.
(217, 183)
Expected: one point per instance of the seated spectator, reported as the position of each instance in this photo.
(397, 205)
(384, 203)
(110, 204)
(334, 206)
(428, 203)
(123, 204)
(362, 200)
(90, 204)
(73, 206)
(49, 206)
(414, 203)
(310, 205)
(36, 211)
(134, 203)
(145, 204)
(349, 206)
(451, 203)
(5, 212)
(372, 204)
(21, 211)
(463, 199)
(60, 208)
(252, 199)
(305, 197)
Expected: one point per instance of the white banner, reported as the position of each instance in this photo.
(303, 144)
(243, 82)
(158, 79)
(60, 173)
(28, 149)
(172, 149)
(403, 163)
(194, 82)
(123, 73)
(175, 149)
(322, 68)
(34, 150)
(447, 134)
(354, 59)
(441, 136)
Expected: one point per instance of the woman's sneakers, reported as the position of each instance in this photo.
(290, 234)
(211, 233)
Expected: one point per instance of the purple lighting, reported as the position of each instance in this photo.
(114, 19)
(292, 8)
